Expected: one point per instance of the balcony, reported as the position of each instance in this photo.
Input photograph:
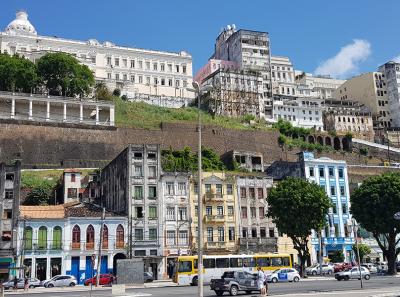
(216, 245)
(89, 245)
(269, 244)
(213, 197)
(119, 245)
(75, 246)
(214, 218)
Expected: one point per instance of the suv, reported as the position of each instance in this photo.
(315, 269)
(233, 282)
(60, 281)
(353, 273)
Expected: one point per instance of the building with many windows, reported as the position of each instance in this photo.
(219, 202)
(256, 231)
(320, 86)
(156, 77)
(391, 70)
(130, 185)
(10, 176)
(283, 76)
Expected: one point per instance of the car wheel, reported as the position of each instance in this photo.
(31, 287)
(195, 281)
(274, 280)
(219, 293)
(314, 273)
(233, 290)
(367, 276)
(50, 286)
(72, 284)
(346, 278)
(296, 279)
(339, 279)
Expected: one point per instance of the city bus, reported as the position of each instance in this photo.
(215, 266)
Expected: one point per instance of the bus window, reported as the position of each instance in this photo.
(222, 263)
(249, 262)
(276, 261)
(263, 262)
(236, 262)
(185, 266)
(209, 263)
(195, 263)
(285, 261)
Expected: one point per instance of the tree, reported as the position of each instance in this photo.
(337, 257)
(117, 92)
(363, 249)
(38, 196)
(101, 92)
(297, 206)
(373, 205)
(63, 75)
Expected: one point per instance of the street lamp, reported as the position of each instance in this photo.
(355, 227)
(198, 91)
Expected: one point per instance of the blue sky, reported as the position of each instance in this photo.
(341, 37)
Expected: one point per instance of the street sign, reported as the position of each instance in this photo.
(396, 216)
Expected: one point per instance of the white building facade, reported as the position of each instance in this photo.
(320, 86)
(392, 72)
(156, 77)
(283, 76)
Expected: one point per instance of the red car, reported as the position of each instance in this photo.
(342, 267)
(105, 279)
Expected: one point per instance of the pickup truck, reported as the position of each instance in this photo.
(234, 282)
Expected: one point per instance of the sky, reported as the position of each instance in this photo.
(338, 37)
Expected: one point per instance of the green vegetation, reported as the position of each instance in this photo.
(286, 128)
(373, 205)
(364, 151)
(39, 196)
(186, 161)
(337, 257)
(363, 250)
(101, 92)
(146, 116)
(297, 206)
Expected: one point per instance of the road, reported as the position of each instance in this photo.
(376, 286)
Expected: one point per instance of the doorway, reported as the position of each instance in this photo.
(41, 268)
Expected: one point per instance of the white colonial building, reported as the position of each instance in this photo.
(157, 77)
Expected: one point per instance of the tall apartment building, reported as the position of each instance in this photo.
(10, 177)
(257, 232)
(283, 76)
(369, 89)
(220, 225)
(156, 77)
(391, 70)
(321, 86)
(251, 51)
(131, 185)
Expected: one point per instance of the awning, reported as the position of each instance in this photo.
(6, 260)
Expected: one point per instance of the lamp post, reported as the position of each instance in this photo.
(198, 91)
(358, 250)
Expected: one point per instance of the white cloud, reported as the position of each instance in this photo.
(346, 61)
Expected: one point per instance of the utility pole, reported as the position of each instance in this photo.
(100, 247)
(358, 251)
(21, 264)
(320, 253)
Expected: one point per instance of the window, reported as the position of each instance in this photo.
(271, 232)
(177, 83)
(334, 209)
(186, 266)
(242, 192)
(76, 237)
(249, 262)
(120, 237)
(208, 263)
(254, 232)
(152, 172)
(152, 234)
(132, 78)
(108, 61)
(125, 62)
(177, 68)
(90, 237)
(9, 194)
(244, 232)
(6, 236)
(230, 210)
(321, 172)
(218, 188)
(331, 172)
(231, 233)
(263, 232)
(138, 192)
(196, 211)
(137, 171)
(132, 63)
(116, 61)
(125, 77)
(208, 210)
(344, 208)
(263, 261)
(73, 178)
(152, 192)
(138, 212)
(222, 263)
(260, 193)
(183, 237)
(244, 212)
(153, 252)
(170, 67)
(117, 76)
(72, 193)
(170, 82)
(162, 67)
(182, 214)
(229, 189)
(332, 190)
(152, 212)
(184, 69)
(28, 238)
(170, 188)
(210, 234)
(252, 193)
(57, 238)
(342, 191)
(138, 234)
(155, 81)
(208, 188)
(137, 155)
(253, 212)
(7, 214)
(221, 234)
(261, 212)
(220, 210)
(147, 65)
(140, 79)
(181, 188)
(140, 64)
(311, 171)
(170, 213)
(155, 66)
(340, 172)
(140, 253)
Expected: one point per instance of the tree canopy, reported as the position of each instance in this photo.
(363, 249)
(63, 75)
(38, 196)
(297, 207)
(373, 205)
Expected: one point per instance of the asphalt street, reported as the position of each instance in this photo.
(376, 286)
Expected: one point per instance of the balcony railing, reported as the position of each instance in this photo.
(215, 244)
(214, 218)
(211, 196)
(89, 245)
(120, 245)
(75, 246)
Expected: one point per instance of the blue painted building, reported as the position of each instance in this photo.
(331, 175)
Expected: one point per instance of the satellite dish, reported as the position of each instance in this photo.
(396, 216)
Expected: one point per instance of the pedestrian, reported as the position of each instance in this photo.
(15, 284)
(26, 284)
(260, 280)
(265, 284)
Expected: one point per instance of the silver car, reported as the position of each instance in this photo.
(33, 283)
(60, 281)
(353, 273)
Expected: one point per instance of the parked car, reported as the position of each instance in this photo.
(284, 275)
(148, 277)
(33, 283)
(315, 269)
(371, 267)
(353, 273)
(60, 281)
(338, 267)
(105, 279)
(234, 282)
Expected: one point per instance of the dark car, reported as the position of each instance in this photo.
(148, 277)
(398, 266)
(234, 282)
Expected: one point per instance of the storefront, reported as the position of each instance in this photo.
(5, 265)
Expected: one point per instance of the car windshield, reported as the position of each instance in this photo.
(276, 271)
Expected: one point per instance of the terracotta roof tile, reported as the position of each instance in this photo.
(42, 212)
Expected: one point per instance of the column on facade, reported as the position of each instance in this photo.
(81, 113)
(65, 112)
(47, 111)
(12, 108)
(30, 110)
(112, 116)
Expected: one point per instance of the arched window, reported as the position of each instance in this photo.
(76, 237)
(90, 237)
(42, 238)
(28, 238)
(120, 237)
(105, 237)
(57, 238)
